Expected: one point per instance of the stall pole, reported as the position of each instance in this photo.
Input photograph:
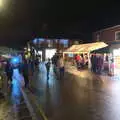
(89, 62)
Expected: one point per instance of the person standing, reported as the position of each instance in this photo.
(95, 63)
(25, 72)
(61, 67)
(48, 68)
(32, 66)
(9, 71)
(78, 59)
(92, 60)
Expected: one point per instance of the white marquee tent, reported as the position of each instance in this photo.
(85, 48)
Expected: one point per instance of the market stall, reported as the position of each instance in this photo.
(84, 49)
(107, 66)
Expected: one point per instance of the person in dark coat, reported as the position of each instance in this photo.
(25, 72)
(93, 62)
(91, 59)
(48, 68)
(9, 71)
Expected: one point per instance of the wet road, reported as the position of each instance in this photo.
(80, 96)
(5, 110)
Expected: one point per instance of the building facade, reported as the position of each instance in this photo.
(110, 34)
(48, 47)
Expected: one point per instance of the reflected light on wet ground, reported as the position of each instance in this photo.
(15, 91)
(6, 108)
(115, 87)
(80, 96)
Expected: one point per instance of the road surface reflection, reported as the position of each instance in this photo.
(15, 88)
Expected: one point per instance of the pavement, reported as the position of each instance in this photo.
(81, 95)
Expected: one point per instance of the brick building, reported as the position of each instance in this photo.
(110, 34)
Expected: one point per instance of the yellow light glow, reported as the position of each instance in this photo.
(1, 3)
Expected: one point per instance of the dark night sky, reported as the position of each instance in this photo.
(22, 20)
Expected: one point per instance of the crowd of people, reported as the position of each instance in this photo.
(96, 60)
(26, 68)
(23, 70)
(58, 65)
(18, 73)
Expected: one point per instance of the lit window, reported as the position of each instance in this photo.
(35, 41)
(56, 40)
(50, 43)
(98, 37)
(117, 35)
(40, 40)
(64, 42)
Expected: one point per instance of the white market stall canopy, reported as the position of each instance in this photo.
(85, 48)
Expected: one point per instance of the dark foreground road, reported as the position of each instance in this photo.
(80, 96)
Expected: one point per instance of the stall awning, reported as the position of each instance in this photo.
(102, 50)
(85, 48)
